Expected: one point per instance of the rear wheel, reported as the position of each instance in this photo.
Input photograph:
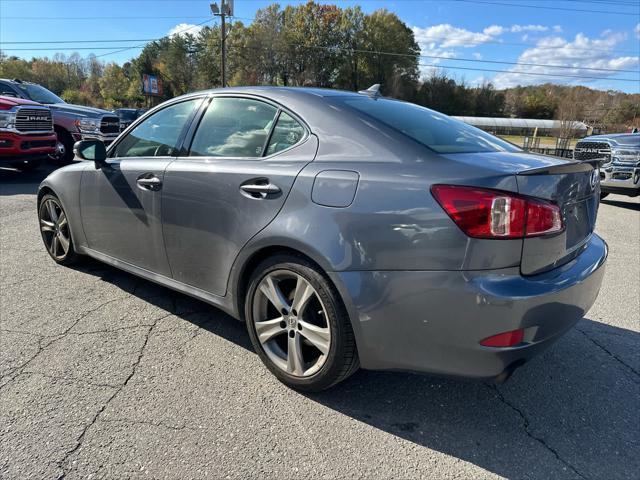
(55, 231)
(298, 325)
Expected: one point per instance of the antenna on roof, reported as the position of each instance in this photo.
(373, 91)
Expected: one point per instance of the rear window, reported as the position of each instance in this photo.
(432, 129)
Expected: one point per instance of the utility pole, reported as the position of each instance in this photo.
(225, 9)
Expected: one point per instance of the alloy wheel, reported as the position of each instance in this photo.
(55, 229)
(291, 323)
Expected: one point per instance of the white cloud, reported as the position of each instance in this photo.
(447, 36)
(184, 29)
(477, 56)
(637, 30)
(493, 30)
(580, 53)
(557, 28)
(528, 28)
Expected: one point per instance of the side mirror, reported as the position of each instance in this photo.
(91, 150)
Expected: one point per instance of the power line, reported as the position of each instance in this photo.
(580, 77)
(374, 52)
(520, 5)
(493, 42)
(99, 18)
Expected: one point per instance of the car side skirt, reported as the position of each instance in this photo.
(223, 303)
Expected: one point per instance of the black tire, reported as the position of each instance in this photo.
(67, 143)
(341, 361)
(604, 195)
(61, 257)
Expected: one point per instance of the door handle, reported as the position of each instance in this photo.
(149, 182)
(260, 190)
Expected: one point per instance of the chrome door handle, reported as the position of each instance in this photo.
(149, 183)
(260, 189)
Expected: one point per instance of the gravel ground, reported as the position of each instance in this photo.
(103, 375)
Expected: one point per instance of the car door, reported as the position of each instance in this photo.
(121, 202)
(243, 159)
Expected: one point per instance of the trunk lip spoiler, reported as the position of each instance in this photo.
(568, 167)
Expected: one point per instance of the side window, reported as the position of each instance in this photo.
(233, 127)
(286, 133)
(7, 90)
(158, 135)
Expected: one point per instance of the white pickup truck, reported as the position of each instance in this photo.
(620, 161)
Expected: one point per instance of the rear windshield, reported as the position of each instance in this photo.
(439, 132)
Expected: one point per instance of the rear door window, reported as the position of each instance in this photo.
(233, 127)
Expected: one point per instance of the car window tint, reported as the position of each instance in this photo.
(439, 132)
(158, 135)
(233, 127)
(286, 133)
(7, 90)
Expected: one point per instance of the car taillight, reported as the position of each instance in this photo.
(484, 213)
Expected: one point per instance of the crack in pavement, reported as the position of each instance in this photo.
(527, 430)
(80, 439)
(604, 349)
(41, 348)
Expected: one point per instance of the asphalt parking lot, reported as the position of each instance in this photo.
(104, 375)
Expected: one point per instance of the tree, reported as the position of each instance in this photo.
(114, 87)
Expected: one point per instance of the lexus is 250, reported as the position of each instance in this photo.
(346, 229)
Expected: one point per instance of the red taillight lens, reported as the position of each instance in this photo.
(505, 339)
(483, 213)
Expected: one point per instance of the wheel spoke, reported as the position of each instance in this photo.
(47, 226)
(62, 220)
(268, 329)
(295, 362)
(64, 243)
(54, 246)
(272, 291)
(320, 337)
(51, 208)
(304, 292)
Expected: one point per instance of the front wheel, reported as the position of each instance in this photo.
(64, 149)
(298, 325)
(55, 231)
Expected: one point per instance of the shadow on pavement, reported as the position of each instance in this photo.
(573, 409)
(618, 203)
(14, 182)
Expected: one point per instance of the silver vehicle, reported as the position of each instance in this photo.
(347, 230)
(620, 161)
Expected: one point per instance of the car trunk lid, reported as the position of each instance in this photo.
(574, 187)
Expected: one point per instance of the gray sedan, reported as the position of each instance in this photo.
(347, 230)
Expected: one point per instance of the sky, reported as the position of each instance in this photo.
(595, 43)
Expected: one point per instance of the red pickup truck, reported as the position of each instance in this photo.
(26, 133)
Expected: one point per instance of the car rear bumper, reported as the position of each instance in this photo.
(24, 147)
(624, 180)
(433, 321)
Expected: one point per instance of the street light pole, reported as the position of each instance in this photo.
(226, 8)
